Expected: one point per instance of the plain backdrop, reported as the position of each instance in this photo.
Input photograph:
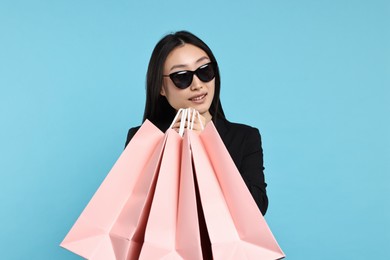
(313, 76)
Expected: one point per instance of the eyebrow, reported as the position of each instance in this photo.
(184, 65)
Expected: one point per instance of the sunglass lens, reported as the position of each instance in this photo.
(182, 79)
(206, 73)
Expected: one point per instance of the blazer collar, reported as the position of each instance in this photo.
(222, 126)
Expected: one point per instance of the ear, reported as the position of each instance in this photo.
(162, 91)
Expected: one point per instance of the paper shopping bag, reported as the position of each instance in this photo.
(188, 235)
(110, 227)
(172, 230)
(236, 227)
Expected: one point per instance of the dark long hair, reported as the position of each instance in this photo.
(157, 108)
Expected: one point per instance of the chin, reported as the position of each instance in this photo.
(203, 111)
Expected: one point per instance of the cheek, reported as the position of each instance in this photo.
(212, 89)
(175, 97)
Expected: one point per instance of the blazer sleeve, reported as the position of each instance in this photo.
(252, 168)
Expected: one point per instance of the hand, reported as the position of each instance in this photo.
(199, 122)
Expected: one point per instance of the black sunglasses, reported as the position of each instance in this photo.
(183, 79)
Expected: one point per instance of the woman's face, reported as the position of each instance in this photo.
(198, 95)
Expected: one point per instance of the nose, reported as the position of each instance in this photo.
(196, 83)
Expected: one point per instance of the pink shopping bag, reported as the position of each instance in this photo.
(172, 230)
(112, 224)
(236, 228)
(188, 239)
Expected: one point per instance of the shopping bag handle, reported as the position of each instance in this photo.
(183, 112)
(191, 114)
(187, 115)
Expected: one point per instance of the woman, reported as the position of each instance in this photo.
(183, 73)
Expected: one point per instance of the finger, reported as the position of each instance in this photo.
(197, 127)
(200, 121)
(177, 125)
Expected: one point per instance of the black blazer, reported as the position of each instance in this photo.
(244, 145)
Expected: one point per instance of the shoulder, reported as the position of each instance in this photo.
(240, 137)
(163, 126)
(227, 128)
(132, 131)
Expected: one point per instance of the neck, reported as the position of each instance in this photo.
(207, 116)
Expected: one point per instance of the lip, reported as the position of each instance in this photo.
(198, 98)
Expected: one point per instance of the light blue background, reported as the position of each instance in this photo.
(313, 76)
